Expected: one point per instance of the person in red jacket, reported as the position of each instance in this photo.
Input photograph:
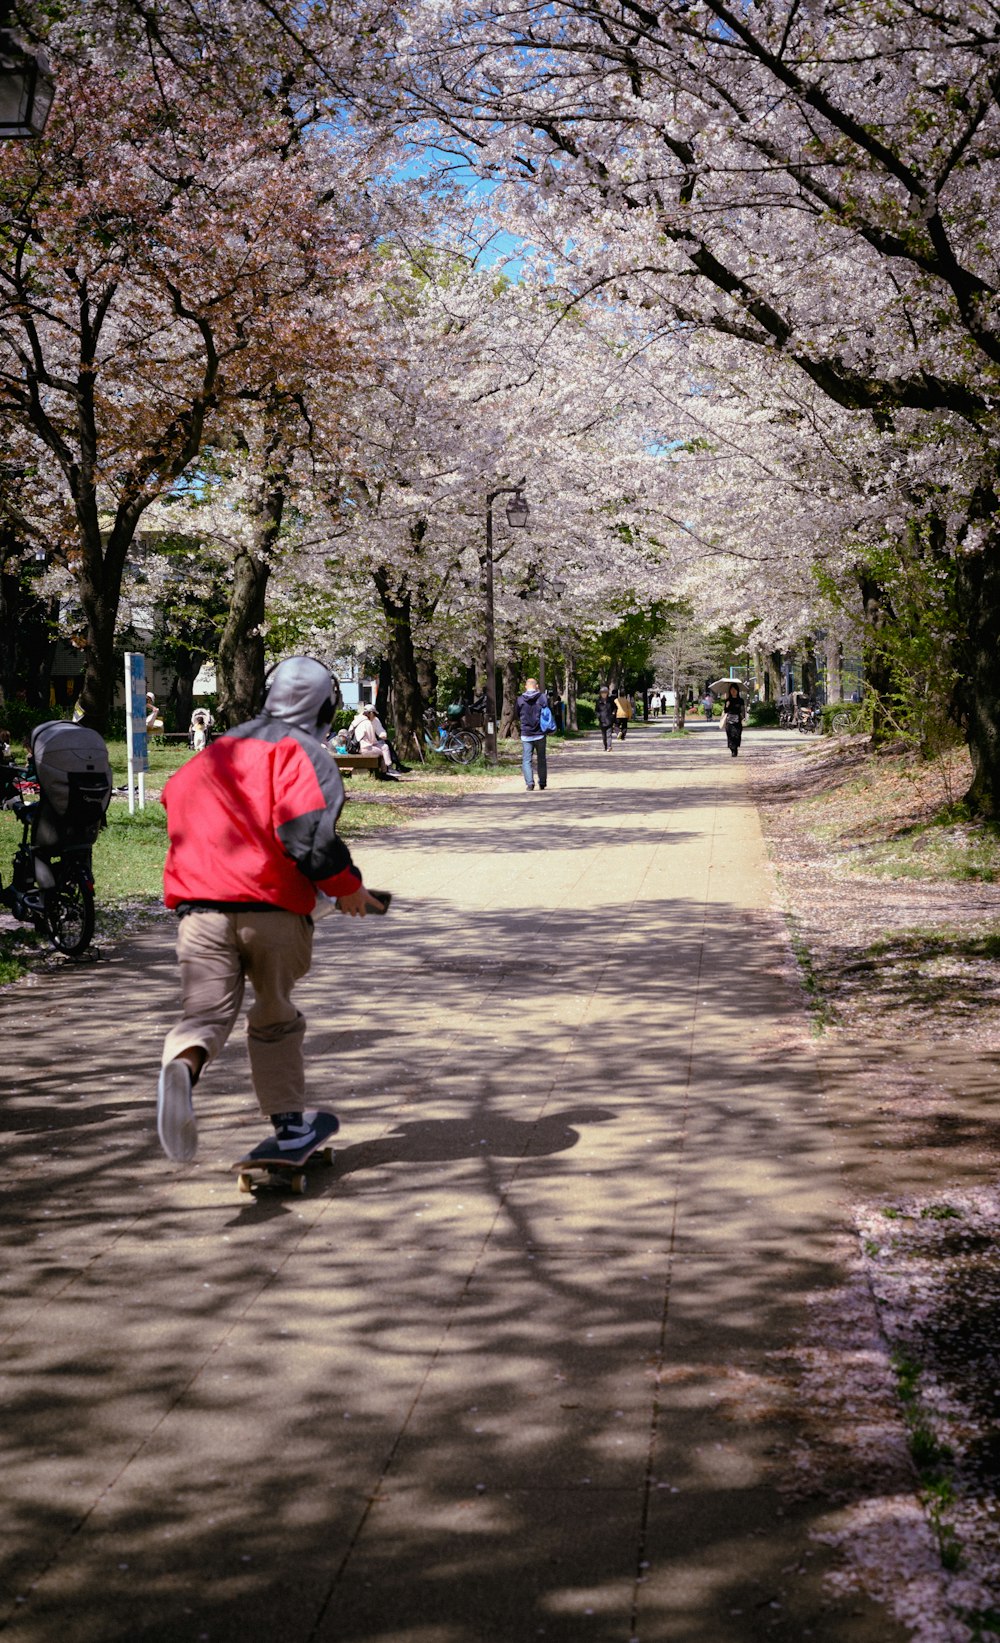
(252, 825)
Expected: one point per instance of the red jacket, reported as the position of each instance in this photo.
(252, 821)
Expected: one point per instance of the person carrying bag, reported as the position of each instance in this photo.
(623, 713)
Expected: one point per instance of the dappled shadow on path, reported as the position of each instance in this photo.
(508, 1370)
(514, 1367)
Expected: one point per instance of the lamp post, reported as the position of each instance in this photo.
(26, 88)
(517, 517)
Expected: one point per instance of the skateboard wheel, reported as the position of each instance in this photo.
(298, 1184)
(326, 1155)
(246, 1183)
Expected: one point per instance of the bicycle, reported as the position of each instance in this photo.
(461, 746)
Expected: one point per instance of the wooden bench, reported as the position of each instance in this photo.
(347, 763)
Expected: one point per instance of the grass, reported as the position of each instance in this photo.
(821, 1012)
(130, 851)
(939, 851)
(931, 1458)
(900, 817)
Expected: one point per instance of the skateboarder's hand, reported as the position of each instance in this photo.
(359, 902)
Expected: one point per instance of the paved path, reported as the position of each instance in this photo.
(498, 1376)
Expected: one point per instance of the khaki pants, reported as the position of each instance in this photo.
(218, 953)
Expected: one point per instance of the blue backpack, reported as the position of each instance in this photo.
(546, 720)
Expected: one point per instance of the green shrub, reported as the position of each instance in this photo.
(586, 715)
(763, 713)
(20, 720)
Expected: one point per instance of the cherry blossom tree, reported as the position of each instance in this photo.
(814, 182)
(477, 386)
(170, 254)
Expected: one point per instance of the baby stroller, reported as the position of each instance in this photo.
(52, 884)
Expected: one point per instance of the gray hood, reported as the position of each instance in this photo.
(298, 692)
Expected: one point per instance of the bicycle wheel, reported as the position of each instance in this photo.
(462, 746)
(69, 914)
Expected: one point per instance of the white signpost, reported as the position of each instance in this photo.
(135, 728)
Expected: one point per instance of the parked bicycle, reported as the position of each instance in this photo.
(461, 746)
(60, 799)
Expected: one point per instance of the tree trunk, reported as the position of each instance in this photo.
(810, 671)
(510, 675)
(427, 679)
(834, 670)
(569, 693)
(186, 664)
(680, 701)
(773, 687)
(978, 598)
(99, 583)
(407, 699)
(240, 661)
(383, 693)
(877, 668)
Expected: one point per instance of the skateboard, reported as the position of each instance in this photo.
(287, 1169)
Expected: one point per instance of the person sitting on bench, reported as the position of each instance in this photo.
(365, 729)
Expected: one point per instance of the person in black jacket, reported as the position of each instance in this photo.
(530, 704)
(734, 710)
(606, 716)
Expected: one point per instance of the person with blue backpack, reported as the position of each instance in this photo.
(537, 720)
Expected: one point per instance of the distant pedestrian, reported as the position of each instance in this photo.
(606, 716)
(624, 710)
(734, 710)
(708, 704)
(663, 703)
(532, 707)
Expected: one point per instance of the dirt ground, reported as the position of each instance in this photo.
(892, 906)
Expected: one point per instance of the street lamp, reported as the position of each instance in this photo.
(517, 517)
(26, 88)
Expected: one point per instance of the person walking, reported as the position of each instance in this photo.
(532, 709)
(623, 713)
(605, 708)
(252, 830)
(708, 704)
(733, 713)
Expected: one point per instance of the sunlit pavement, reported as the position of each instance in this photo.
(515, 1367)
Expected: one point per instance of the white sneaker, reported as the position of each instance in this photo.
(175, 1119)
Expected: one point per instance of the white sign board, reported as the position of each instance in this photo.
(135, 727)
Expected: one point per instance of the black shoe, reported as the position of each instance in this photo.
(292, 1131)
(385, 776)
(404, 769)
